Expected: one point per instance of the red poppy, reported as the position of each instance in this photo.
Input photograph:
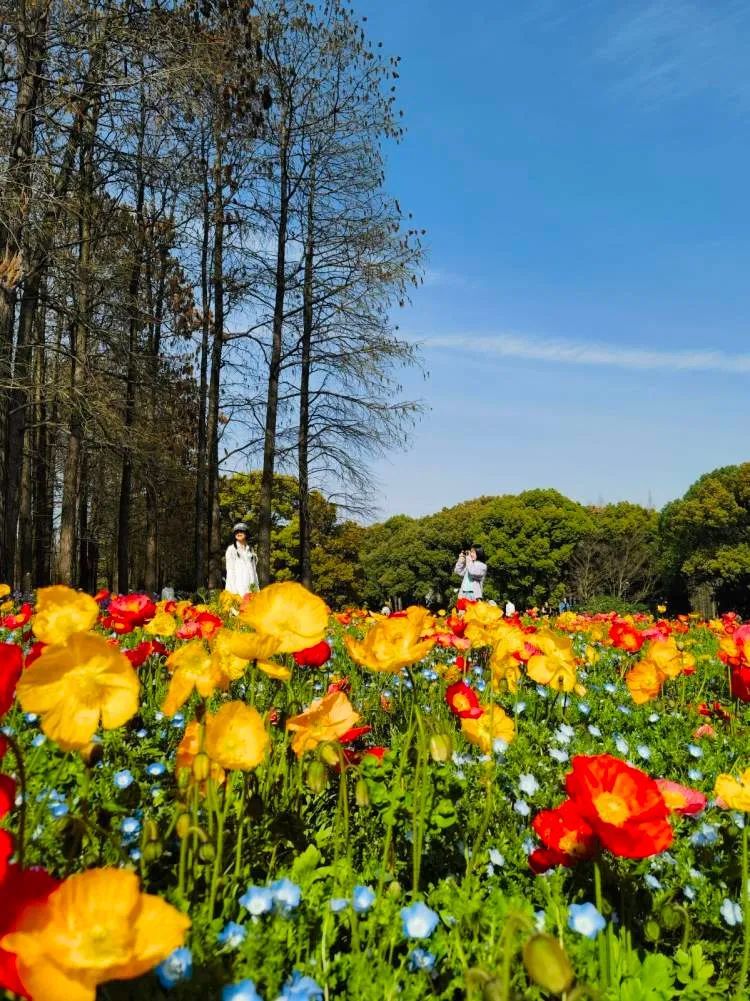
(18, 620)
(19, 889)
(208, 623)
(6, 850)
(3, 745)
(566, 833)
(340, 685)
(543, 859)
(11, 665)
(119, 626)
(623, 805)
(188, 630)
(134, 609)
(7, 794)
(624, 636)
(681, 799)
(740, 684)
(463, 701)
(456, 625)
(352, 757)
(463, 603)
(314, 656)
(461, 663)
(101, 595)
(354, 733)
(344, 618)
(716, 711)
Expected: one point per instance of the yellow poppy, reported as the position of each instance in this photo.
(394, 643)
(644, 681)
(734, 794)
(96, 927)
(483, 621)
(4, 590)
(666, 656)
(236, 737)
(187, 750)
(555, 666)
(290, 613)
(324, 719)
(192, 667)
(494, 724)
(61, 612)
(162, 624)
(75, 685)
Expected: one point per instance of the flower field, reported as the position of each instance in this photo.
(264, 800)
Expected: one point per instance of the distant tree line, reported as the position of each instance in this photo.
(199, 262)
(541, 547)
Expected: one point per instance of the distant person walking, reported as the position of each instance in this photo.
(510, 609)
(241, 563)
(471, 565)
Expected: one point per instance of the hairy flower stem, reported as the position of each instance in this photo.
(740, 992)
(21, 840)
(604, 943)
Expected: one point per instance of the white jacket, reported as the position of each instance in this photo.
(242, 572)
(476, 570)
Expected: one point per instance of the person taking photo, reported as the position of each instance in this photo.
(471, 565)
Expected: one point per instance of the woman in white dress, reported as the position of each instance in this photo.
(241, 562)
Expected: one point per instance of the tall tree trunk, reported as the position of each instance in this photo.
(156, 311)
(274, 373)
(31, 41)
(134, 325)
(200, 538)
(212, 424)
(305, 528)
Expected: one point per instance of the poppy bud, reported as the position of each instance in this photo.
(201, 767)
(150, 831)
(441, 747)
(183, 825)
(362, 793)
(652, 931)
(152, 851)
(329, 754)
(207, 852)
(394, 890)
(317, 776)
(183, 779)
(547, 964)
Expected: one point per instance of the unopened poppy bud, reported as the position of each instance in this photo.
(201, 767)
(362, 793)
(671, 917)
(152, 851)
(394, 889)
(547, 964)
(494, 990)
(183, 779)
(329, 754)
(317, 776)
(183, 825)
(207, 852)
(150, 830)
(652, 931)
(441, 747)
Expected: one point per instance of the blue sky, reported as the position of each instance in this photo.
(582, 168)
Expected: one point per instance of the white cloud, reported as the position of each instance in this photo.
(569, 352)
(673, 49)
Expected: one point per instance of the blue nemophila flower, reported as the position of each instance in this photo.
(300, 988)
(564, 733)
(558, 754)
(689, 892)
(621, 744)
(141, 734)
(625, 710)
(135, 854)
(520, 707)
(158, 716)
(130, 827)
(739, 819)
(232, 935)
(418, 920)
(123, 778)
(31, 717)
(257, 899)
(155, 769)
(175, 969)
(610, 688)
(694, 774)
(643, 751)
(653, 718)
(584, 708)
(496, 858)
(178, 720)
(652, 882)
(499, 746)
(540, 919)
(522, 807)
(706, 834)
(594, 730)
(286, 895)
(585, 919)
(421, 959)
(38, 740)
(541, 691)
(363, 898)
(528, 784)
(242, 991)
(731, 912)
(338, 904)
(58, 809)
(694, 751)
